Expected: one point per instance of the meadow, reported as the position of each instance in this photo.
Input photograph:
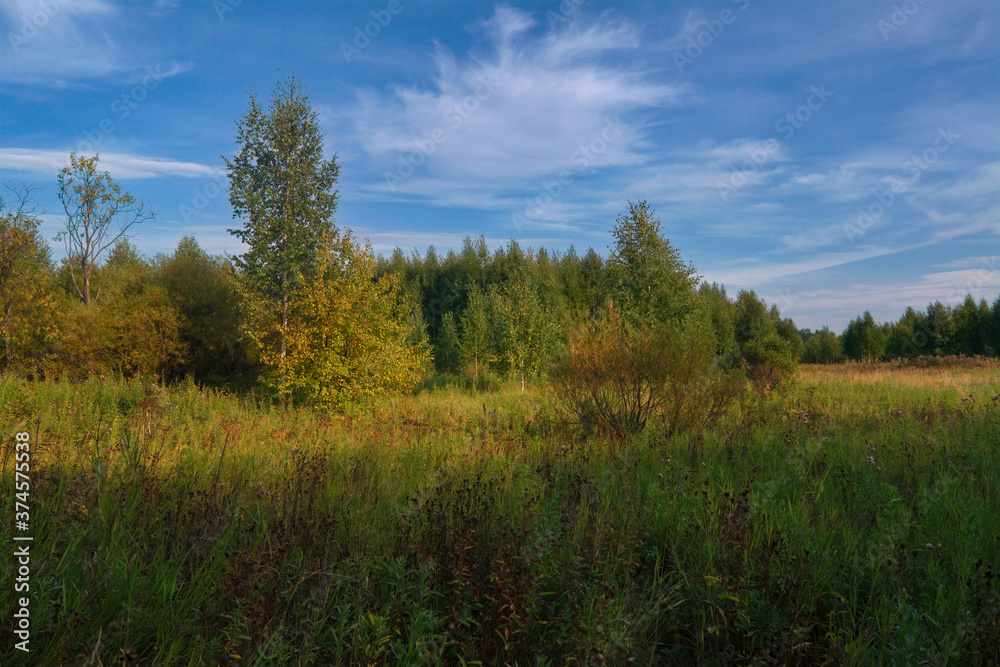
(853, 519)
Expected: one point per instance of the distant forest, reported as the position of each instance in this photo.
(313, 316)
(574, 287)
(180, 314)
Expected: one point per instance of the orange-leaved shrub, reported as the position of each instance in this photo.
(621, 377)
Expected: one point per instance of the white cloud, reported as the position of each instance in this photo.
(887, 301)
(65, 42)
(503, 121)
(119, 165)
(757, 271)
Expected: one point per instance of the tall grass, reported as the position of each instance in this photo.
(851, 520)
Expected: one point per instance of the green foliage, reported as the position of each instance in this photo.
(767, 357)
(28, 304)
(994, 327)
(524, 333)
(448, 357)
(722, 315)
(970, 328)
(787, 331)
(645, 274)
(282, 186)
(133, 330)
(349, 336)
(475, 336)
(863, 340)
(822, 347)
(202, 289)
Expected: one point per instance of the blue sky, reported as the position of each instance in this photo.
(833, 156)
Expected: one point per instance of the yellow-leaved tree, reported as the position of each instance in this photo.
(28, 305)
(349, 337)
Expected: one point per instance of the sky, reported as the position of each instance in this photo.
(833, 156)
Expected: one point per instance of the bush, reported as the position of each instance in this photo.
(130, 327)
(768, 363)
(621, 377)
(129, 337)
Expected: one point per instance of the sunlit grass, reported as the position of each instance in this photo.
(851, 520)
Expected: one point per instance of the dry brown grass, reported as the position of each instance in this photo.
(975, 373)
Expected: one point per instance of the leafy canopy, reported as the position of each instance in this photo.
(282, 186)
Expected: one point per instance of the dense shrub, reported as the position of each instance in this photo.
(128, 329)
(621, 377)
(766, 352)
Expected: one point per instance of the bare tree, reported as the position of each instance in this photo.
(98, 214)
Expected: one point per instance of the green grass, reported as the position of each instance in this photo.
(851, 521)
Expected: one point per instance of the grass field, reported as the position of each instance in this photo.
(853, 520)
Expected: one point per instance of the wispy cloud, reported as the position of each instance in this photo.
(61, 43)
(119, 165)
(887, 300)
(759, 270)
(499, 122)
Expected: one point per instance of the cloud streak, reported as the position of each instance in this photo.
(119, 165)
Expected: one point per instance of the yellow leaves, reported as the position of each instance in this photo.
(346, 339)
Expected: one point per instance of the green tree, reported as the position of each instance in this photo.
(645, 273)
(722, 314)
(970, 327)
(910, 336)
(593, 269)
(202, 289)
(939, 328)
(134, 329)
(822, 347)
(863, 339)
(351, 336)
(994, 327)
(448, 355)
(98, 215)
(283, 187)
(525, 334)
(475, 335)
(767, 357)
(787, 331)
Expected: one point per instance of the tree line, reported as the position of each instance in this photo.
(967, 329)
(311, 315)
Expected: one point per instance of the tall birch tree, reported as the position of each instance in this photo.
(282, 187)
